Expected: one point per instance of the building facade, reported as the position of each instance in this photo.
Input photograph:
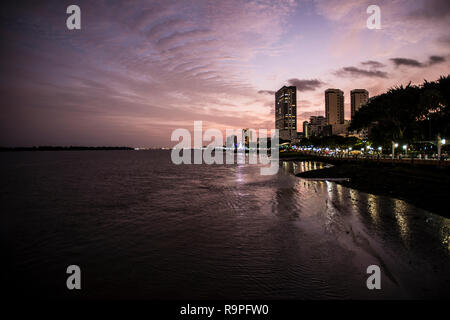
(286, 112)
(247, 137)
(305, 129)
(334, 106)
(358, 98)
(316, 125)
(340, 129)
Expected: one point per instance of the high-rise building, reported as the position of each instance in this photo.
(246, 137)
(358, 98)
(286, 112)
(334, 106)
(316, 125)
(305, 129)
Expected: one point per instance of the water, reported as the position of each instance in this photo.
(141, 227)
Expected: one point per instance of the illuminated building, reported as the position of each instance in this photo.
(334, 106)
(286, 112)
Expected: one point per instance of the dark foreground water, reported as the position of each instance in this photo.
(141, 227)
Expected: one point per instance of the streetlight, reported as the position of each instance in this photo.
(439, 145)
(394, 145)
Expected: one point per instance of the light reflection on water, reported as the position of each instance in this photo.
(377, 207)
(400, 208)
(402, 238)
(373, 208)
(445, 234)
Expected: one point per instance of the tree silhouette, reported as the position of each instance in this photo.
(406, 114)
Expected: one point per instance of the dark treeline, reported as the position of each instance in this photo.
(407, 114)
(61, 148)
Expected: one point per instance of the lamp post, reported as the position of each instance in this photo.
(394, 145)
(440, 142)
(443, 141)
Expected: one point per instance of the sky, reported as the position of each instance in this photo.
(138, 70)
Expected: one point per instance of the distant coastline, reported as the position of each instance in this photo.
(61, 148)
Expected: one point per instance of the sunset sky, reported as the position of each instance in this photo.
(137, 70)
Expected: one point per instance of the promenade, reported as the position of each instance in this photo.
(414, 161)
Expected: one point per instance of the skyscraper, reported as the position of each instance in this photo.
(305, 129)
(334, 106)
(358, 98)
(246, 137)
(286, 112)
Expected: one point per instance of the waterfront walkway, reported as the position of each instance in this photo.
(376, 158)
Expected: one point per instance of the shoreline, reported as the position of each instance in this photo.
(425, 188)
(62, 148)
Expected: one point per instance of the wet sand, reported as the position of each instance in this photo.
(426, 188)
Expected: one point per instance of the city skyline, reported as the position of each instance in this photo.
(133, 73)
(334, 112)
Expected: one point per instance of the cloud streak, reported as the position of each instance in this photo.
(432, 60)
(134, 67)
(373, 64)
(305, 85)
(357, 73)
(269, 92)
